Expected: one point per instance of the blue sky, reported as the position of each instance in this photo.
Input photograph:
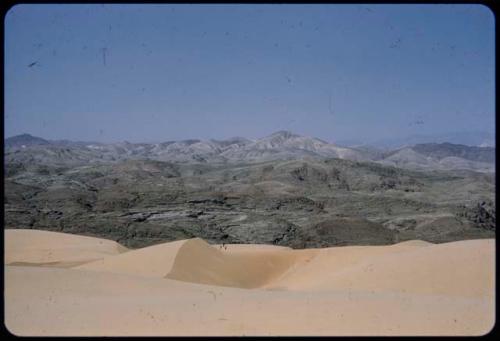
(145, 73)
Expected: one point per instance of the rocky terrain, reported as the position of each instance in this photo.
(284, 189)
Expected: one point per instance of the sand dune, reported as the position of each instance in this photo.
(152, 261)
(242, 266)
(189, 287)
(464, 268)
(196, 261)
(35, 247)
(199, 262)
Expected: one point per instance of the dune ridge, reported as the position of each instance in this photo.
(199, 262)
(190, 287)
(151, 261)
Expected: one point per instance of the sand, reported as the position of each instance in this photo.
(45, 248)
(192, 288)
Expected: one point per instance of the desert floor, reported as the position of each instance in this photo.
(61, 284)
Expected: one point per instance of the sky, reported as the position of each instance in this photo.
(152, 73)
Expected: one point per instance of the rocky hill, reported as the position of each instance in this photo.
(24, 140)
(300, 202)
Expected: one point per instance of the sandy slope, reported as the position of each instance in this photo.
(192, 288)
(152, 261)
(464, 268)
(35, 247)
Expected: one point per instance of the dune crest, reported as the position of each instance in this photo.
(199, 262)
(151, 261)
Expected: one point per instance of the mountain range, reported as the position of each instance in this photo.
(281, 145)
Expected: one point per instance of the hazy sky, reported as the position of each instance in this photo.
(145, 73)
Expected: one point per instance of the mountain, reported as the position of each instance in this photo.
(24, 140)
(442, 156)
(443, 150)
(287, 145)
(281, 145)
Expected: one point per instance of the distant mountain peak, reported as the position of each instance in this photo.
(25, 140)
(286, 134)
(23, 136)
